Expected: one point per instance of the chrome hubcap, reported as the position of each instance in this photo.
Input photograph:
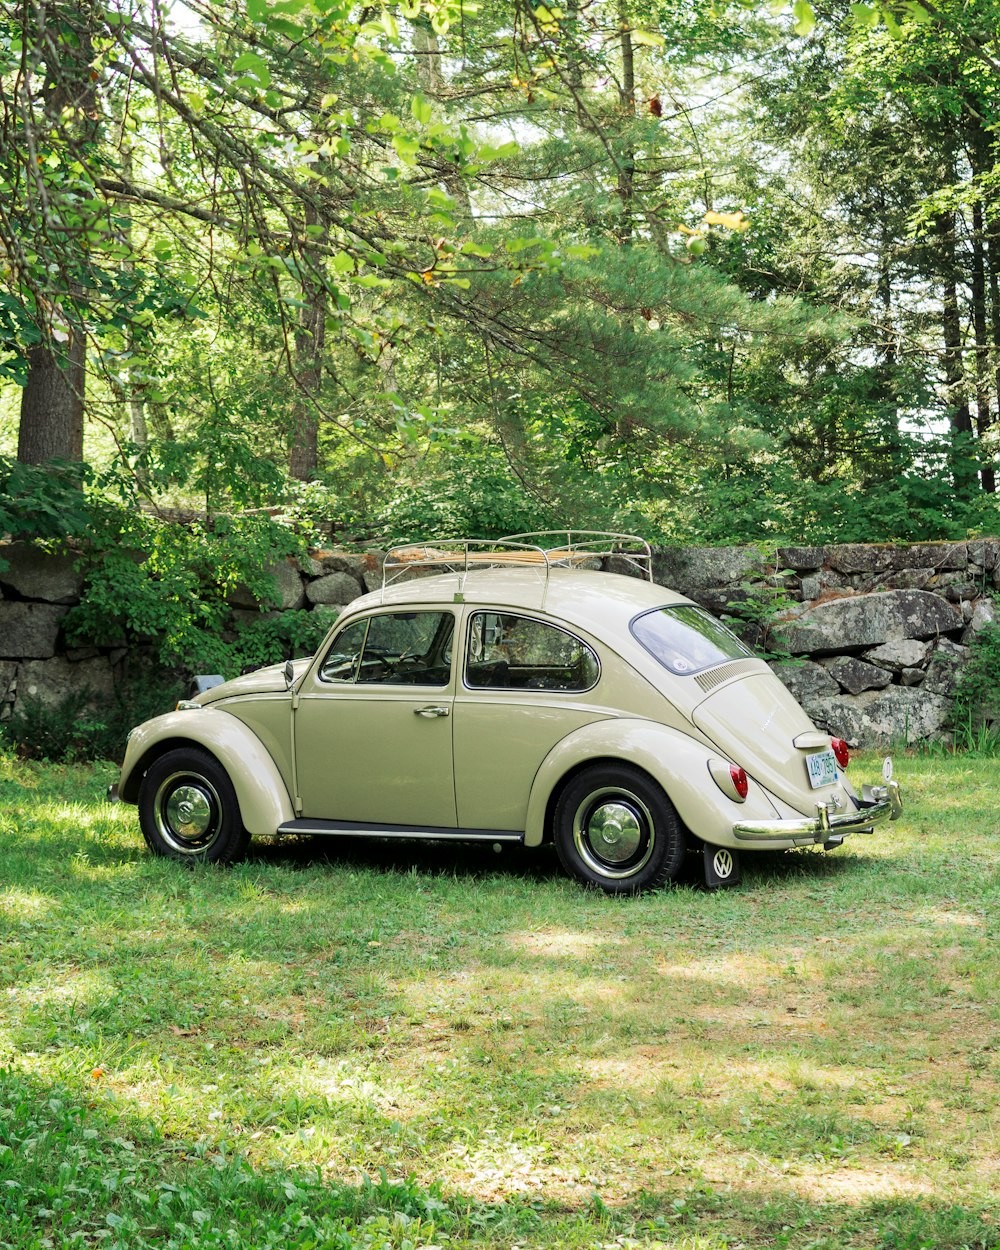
(188, 813)
(613, 833)
(614, 830)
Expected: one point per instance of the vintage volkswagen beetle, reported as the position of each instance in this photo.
(516, 697)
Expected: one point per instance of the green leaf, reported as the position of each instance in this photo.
(406, 147)
(864, 15)
(917, 12)
(488, 152)
(421, 110)
(805, 17)
(257, 10)
(250, 61)
(648, 39)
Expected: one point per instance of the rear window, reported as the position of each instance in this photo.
(687, 639)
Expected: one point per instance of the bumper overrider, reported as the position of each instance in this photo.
(877, 804)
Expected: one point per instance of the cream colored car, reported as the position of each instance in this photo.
(517, 697)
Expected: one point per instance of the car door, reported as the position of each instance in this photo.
(525, 685)
(373, 741)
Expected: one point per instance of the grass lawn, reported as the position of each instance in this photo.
(337, 1046)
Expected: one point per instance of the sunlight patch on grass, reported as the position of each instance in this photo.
(947, 916)
(561, 943)
(22, 904)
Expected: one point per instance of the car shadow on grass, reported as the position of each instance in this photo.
(435, 859)
(480, 859)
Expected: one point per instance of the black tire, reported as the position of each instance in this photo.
(616, 830)
(188, 809)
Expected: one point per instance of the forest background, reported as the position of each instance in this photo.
(276, 272)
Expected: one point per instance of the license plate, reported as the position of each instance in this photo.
(822, 769)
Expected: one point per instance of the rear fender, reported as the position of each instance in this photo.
(678, 763)
(263, 797)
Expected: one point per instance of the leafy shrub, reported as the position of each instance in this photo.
(287, 635)
(977, 693)
(75, 728)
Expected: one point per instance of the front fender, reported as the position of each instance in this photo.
(263, 797)
(674, 760)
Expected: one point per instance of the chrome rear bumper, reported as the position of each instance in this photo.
(878, 803)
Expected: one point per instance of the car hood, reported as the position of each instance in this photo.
(270, 680)
(755, 721)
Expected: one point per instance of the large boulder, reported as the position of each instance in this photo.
(8, 682)
(858, 621)
(801, 559)
(29, 630)
(879, 718)
(33, 573)
(808, 682)
(52, 681)
(692, 570)
(333, 588)
(983, 616)
(288, 589)
(855, 676)
(888, 557)
(862, 557)
(364, 566)
(983, 552)
(895, 656)
(945, 667)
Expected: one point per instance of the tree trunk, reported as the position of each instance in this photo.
(984, 418)
(993, 265)
(310, 338)
(959, 418)
(52, 402)
(626, 168)
(51, 425)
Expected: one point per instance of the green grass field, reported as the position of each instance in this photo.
(338, 1046)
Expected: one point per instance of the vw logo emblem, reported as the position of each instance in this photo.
(722, 862)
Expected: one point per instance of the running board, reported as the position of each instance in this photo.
(360, 829)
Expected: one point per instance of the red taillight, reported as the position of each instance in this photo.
(840, 751)
(739, 780)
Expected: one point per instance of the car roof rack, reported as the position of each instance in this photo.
(542, 551)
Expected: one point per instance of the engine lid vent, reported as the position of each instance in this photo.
(726, 672)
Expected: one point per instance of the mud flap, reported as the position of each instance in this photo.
(722, 867)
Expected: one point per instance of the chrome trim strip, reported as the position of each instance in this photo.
(429, 833)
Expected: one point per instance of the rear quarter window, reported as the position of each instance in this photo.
(686, 639)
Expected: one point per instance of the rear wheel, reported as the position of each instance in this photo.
(615, 829)
(188, 809)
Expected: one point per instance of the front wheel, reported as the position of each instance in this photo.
(615, 829)
(188, 809)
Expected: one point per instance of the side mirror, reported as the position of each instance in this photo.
(289, 674)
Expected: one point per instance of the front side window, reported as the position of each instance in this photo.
(686, 639)
(395, 648)
(518, 653)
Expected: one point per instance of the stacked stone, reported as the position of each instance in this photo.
(878, 632)
(37, 589)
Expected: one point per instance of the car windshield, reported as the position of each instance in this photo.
(686, 639)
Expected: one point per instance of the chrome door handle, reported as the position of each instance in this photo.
(434, 710)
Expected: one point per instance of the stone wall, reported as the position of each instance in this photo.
(877, 633)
